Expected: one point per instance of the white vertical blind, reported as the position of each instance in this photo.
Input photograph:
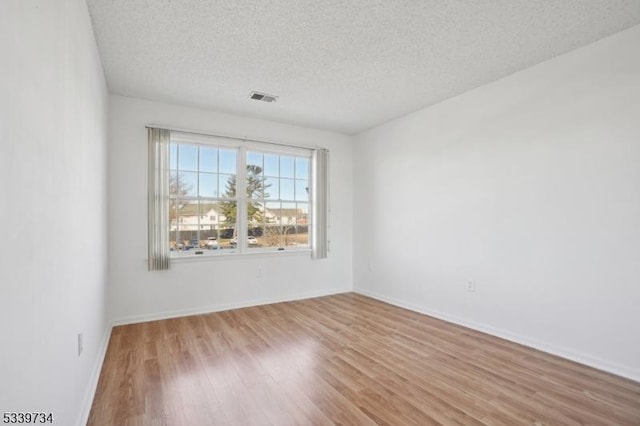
(158, 203)
(320, 186)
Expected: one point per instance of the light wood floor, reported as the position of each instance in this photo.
(343, 359)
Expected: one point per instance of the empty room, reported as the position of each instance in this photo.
(324, 212)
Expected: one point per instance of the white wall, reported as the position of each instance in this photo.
(53, 123)
(206, 285)
(531, 187)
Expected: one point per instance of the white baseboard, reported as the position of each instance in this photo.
(610, 367)
(223, 307)
(95, 376)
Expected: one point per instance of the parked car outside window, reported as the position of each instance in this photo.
(250, 239)
(212, 243)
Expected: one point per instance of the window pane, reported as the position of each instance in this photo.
(272, 188)
(287, 229)
(187, 184)
(187, 227)
(209, 225)
(302, 168)
(173, 156)
(173, 184)
(272, 212)
(208, 185)
(199, 226)
(227, 161)
(188, 157)
(272, 236)
(275, 234)
(289, 219)
(303, 214)
(271, 165)
(255, 213)
(287, 236)
(255, 182)
(286, 189)
(228, 214)
(286, 167)
(227, 186)
(302, 190)
(254, 159)
(208, 159)
(227, 223)
(173, 223)
(288, 213)
(302, 225)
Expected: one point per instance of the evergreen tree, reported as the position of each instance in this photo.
(256, 188)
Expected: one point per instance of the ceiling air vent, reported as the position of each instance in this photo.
(262, 97)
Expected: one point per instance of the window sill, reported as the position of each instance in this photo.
(240, 256)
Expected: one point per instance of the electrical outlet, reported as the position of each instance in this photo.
(369, 267)
(471, 286)
(80, 344)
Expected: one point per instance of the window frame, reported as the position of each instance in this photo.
(242, 199)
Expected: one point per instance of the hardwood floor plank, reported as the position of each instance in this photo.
(343, 359)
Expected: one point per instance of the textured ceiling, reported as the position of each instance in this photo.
(343, 65)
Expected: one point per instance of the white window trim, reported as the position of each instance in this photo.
(243, 145)
(257, 254)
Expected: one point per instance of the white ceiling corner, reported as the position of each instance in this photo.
(342, 65)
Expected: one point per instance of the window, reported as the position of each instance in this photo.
(202, 180)
(211, 196)
(279, 202)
